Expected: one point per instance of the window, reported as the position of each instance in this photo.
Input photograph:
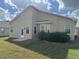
(45, 27)
(22, 32)
(67, 28)
(27, 30)
(11, 30)
(34, 30)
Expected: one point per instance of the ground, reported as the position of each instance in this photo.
(36, 49)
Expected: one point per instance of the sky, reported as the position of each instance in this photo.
(68, 8)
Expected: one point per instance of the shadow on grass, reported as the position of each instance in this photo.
(51, 49)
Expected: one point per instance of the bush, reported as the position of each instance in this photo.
(59, 37)
(54, 37)
(42, 35)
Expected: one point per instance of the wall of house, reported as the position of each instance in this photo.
(57, 22)
(22, 21)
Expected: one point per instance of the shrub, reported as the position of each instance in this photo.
(59, 37)
(42, 35)
(54, 37)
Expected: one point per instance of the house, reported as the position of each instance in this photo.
(77, 28)
(4, 28)
(32, 20)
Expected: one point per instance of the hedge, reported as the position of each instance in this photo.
(54, 37)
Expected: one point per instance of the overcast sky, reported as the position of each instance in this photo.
(63, 7)
(68, 8)
(68, 3)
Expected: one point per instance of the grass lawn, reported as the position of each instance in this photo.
(36, 49)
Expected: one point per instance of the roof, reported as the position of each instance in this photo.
(42, 12)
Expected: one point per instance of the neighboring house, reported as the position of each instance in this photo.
(32, 20)
(4, 28)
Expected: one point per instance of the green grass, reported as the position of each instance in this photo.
(36, 49)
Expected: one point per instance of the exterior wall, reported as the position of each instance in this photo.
(4, 28)
(57, 22)
(22, 22)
